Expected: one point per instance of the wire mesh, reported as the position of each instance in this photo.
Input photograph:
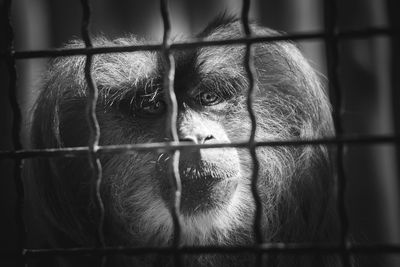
(16, 129)
(395, 69)
(94, 128)
(171, 131)
(330, 17)
(331, 36)
(251, 72)
(342, 35)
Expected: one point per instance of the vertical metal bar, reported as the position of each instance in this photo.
(331, 43)
(94, 128)
(251, 74)
(171, 131)
(394, 21)
(16, 129)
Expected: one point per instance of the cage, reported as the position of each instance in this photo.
(354, 44)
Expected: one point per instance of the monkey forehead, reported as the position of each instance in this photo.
(221, 60)
(272, 60)
(110, 70)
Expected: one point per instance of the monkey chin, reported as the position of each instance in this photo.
(206, 188)
(208, 183)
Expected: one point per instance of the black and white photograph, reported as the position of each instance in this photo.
(226, 133)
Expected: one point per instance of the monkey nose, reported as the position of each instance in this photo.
(197, 139)
(192, 153)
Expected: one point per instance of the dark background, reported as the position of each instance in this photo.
(367, 74)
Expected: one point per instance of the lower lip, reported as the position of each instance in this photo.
(202, 190)
(204, 194)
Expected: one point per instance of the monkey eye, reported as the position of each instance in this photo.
(142, 106)
(209, 98)
(151, 108)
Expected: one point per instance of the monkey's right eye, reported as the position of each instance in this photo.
(142, 107)
(151, 108)
(126, 106)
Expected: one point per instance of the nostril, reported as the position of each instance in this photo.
(208, 137)
(196, 139)
(190, 138)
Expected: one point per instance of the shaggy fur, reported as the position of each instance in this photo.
(295, 183)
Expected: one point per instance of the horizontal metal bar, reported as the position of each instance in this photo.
(271, 248)
(130, 148)
(363, 33)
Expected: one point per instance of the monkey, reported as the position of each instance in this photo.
(295, 183)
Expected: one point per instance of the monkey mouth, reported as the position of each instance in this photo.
(205, 187)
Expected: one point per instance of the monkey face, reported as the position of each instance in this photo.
(209, 176)
(213, 180)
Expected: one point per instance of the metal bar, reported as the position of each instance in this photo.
(394, 21)
(171, 131)
(284, 248)
(353, 34)
(16, 129)
(248, 63)
(94, 128)
(331, 42)
(131, 148)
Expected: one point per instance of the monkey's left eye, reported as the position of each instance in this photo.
(209, 98)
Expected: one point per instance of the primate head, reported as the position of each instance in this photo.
(217, 207)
